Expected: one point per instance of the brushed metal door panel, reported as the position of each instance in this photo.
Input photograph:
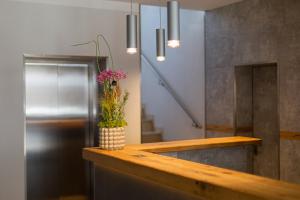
(42, 146)
(57, 128)
(41, 91)
(73, 110)
(73, 92)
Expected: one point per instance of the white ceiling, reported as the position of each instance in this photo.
(123, 4)
(190, 4)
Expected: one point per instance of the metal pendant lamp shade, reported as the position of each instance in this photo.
(131, 33)
(160, 44)
(173, 24)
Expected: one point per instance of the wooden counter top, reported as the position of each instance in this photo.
(197, 179)
(184, 145)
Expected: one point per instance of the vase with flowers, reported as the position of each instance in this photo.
(112, 102)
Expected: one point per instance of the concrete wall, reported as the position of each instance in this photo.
(183, 69)
(51, 29)
(238, 158)
(256, 108)
(266, 120)
(256, 31)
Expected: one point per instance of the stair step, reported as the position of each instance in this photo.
(149, 133)
(148, 124)
(143, 111)
(156, 131)
(151, 136)
(147, 118)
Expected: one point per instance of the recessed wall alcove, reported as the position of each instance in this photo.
(256, 108)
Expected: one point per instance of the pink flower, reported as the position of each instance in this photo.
(119, 74)
(110, 75)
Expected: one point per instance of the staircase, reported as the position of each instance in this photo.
(149, 132)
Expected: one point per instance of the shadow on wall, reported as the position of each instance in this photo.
(256, 107)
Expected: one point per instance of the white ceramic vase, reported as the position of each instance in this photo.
(112, 138)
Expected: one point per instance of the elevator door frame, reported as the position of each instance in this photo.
(93, 92)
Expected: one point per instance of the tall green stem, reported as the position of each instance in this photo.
(109, 49)
(96, 43)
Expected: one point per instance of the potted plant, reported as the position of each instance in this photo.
(112, 103)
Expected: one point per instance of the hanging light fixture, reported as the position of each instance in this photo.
(131, 21)
(173, 24)
(160, 44)
(160, 41)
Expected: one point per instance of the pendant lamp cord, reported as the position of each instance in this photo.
(131, 7)
(160, 15)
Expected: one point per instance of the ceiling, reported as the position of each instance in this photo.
(190, 4)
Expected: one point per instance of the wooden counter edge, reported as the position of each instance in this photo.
(184, 145)
(199, 180)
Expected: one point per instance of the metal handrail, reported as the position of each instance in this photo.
(164, 83)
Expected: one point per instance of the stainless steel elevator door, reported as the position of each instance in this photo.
(57, 128)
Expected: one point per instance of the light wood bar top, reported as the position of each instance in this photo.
(199, 180)
(184, 145)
